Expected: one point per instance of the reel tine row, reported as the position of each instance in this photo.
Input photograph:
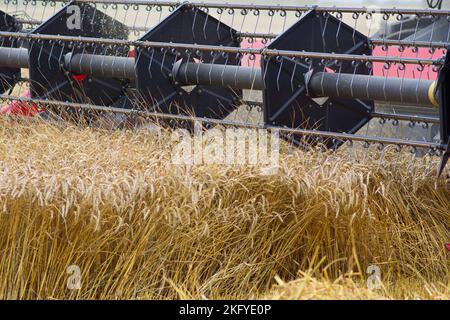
(314, 73)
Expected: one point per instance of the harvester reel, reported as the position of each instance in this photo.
(317, 78)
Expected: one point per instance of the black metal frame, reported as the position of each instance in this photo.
(286, 98)
(8, 76)
(48, 77)
(188, 25)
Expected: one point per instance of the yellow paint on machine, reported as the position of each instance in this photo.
(432, 94)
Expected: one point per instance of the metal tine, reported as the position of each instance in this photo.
(149, 68)
(39, 57)
(213, 61)
(322, 78)
(231, 13)
(148, 8)
(220, 13)
(366, 144)
(4, 39)
(164, 50)
(33, 3)
(448, 33)
(399, 18)
(386, 69)
(226, 56)
(51, 54)
(338, 78)
(257, 13)
(252, 59)
(369, 16)
(7, 8)
(382, 150)
(402, 68)
(16, 2)
(293, 74)
(160, 10)
(271, 14)
(355, 67)
(44, 4)
(432, 28)
(244, 13)
(385, 18)
(420, 69)
(93, 17)
(115, 9)
(417, 17)
(199, 54)
(115, 56)
(205, 24)
(27, 3)
(371, 72)
(188, 59)
(398, 148)
(283, 14)
(193, 24)
(135, 8)
(380, 147)
(279, 72)
(91, 62)
(355, 16)
(324, 45)
(412, 164)
(339, 16)
(239, 58)
(102, 64)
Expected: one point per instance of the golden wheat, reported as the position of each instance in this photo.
(138, 226)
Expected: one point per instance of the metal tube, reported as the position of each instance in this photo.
(13, 57)
(364, 87)
(217, 75)
(403, 90)
(320, 84)
(101, 66)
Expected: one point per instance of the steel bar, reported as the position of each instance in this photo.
(409, 43)
(375, 114)
(406, 117)
(270, 36)
(253, 7)
(303, 132)
(223, 49)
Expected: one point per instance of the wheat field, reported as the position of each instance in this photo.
(137, 226)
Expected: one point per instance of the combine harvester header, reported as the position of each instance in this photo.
(319, 77)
